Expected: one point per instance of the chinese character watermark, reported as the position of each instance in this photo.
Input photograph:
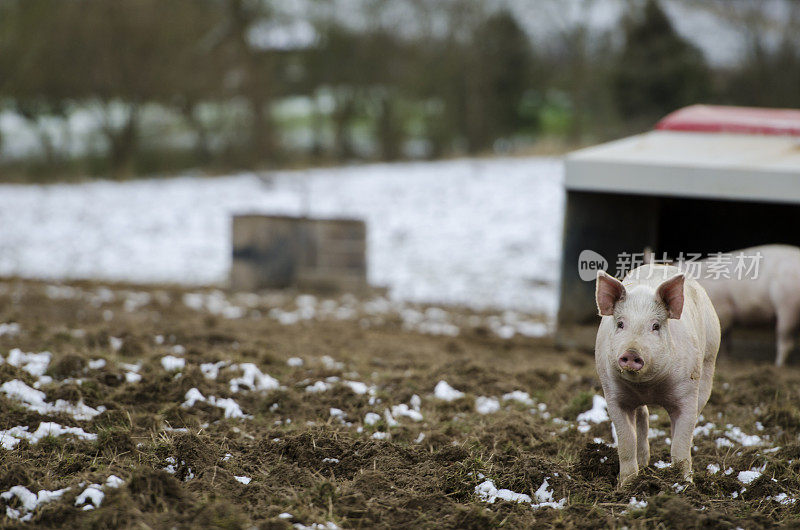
(715, 266)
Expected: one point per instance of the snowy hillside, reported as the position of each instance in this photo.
(484, 233)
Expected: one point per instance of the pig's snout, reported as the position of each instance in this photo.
(631, 361)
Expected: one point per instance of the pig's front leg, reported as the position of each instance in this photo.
(626, 441)
(642, 430)
(684, 420)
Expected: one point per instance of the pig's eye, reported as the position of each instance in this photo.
(656, 326)
(620, 325)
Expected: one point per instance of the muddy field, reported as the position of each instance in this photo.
(131, 407)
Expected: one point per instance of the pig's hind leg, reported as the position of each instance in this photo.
(786, 303)
(706, 382)
(787, 329)
(642, 416)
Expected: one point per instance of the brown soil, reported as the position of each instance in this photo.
(305, 462)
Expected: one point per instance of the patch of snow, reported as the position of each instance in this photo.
(371, 418)
(34, 363)
(403, 411)
(661, 464)
(28, 501)
(131, 367)
(704, 430)
(254, 379)
(598, 412)
(10, 329)
(231, 408)
(316, 526)
(285, 515)
(419, 438)
(655, 433)
(319, 386)
(520, 397)
(242, 479)
(390, 421)
(486, 405)
(96, 364)
(359, 388)
(172, 363)
(192, 396)
(132, 377)
(60, 292)
(114, 481)
(378, 435)
(544, 494)
(782, 498)
(94, 494)
(746, 477)
(713, 468)
(136, 300)
(287, 318)
(488, 492)
(294, 362)
(176, 429)
(171, 465)
(114, 342)
(211, 370)
(736, 434)
(213, 302)
(330, 363)
(446, 392)
(636, 504)
(11, 437)
(330, 460)
(33, 399)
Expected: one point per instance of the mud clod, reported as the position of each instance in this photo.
(155, 489)
(69, 365)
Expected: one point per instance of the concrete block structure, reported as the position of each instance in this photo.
(282, 251)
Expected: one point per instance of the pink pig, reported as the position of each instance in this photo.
(770, 295)
(656, 345)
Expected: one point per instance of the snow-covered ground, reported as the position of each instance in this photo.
(478, 232)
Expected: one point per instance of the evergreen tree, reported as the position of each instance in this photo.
(768, 77)
(498, 73)
(657, 71)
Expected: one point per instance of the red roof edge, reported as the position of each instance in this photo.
(741, 120)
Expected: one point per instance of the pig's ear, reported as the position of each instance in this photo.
(609, 291)
(671, 293)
